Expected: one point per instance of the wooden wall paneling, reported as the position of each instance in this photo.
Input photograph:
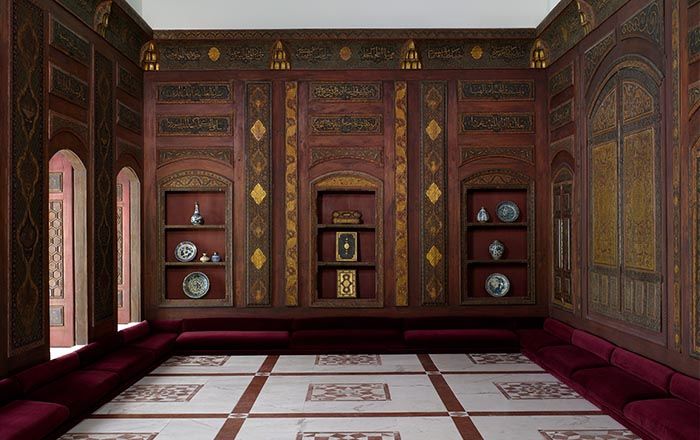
(433, 148)
(401, 193)
(258, 193)
(6, 106)
(291, 194)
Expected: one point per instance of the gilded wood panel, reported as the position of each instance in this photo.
(523, 153)
(258, 192)
(639, 204)
(324, 154)
(433, 178)
(561, 115)
(129, 118)
(291, 195)
(348, 124)
(193, 125)
(595, 55)
(104, 206)
(605, 116)
(195, 92)
(647, 23)
(604, 207)
(70, 43)
(506, 90)
(131, 84)
(497, 123)
(28, 278)
(561, 80)
(224, 155)
(401, 192)
(637, 102)
(68, 87)
(56, 248)
(345, 91)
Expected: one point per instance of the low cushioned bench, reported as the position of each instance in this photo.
(461, 334)
(652, 399)
(37, 402)
(26, 419)
(345, 334)
(233, 334)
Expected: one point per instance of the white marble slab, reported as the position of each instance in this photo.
(288, 394)
(418, 428)
(528, 428)
(478, 392)
(499, 362)
(167, 429)
(348, 364)
(216, 395)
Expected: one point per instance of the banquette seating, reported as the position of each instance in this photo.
(654, 400)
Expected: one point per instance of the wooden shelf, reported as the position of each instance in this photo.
(350, 227)
(194, 264)
(496, 261)
(497, 225)
(344, 264)
(194, 227)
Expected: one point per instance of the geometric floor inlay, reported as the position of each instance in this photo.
(337, 392)
(498, 358)
(348, 359)
(590, 434)
(383, 435)
(196, 361)
(536, 390)
(110, 436)
(159, 393)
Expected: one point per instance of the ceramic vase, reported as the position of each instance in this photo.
(196, 218)
(204, 258)
(482, 216)
(215, 257)
(496, 249)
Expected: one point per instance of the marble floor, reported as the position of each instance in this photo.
(349, 397)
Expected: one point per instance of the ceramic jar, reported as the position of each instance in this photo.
(204, 258)
(215, 257)
(482, 216)
(496, 249)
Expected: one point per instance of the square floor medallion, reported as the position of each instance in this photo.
(536, 390)
(384, 435)
(343, 392)
(589, 434)
(159, 393)
(348, 359)
(196, 361)
(498, 358)
(109, 436)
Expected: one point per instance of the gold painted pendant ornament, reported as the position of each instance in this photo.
(347, 283)
(411, 59)
(279, 59)
(346, 246)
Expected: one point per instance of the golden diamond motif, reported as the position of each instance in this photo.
(433, 129)
(258, 259)
(258, 193)
(258, 130)
(433, 256)
(433, 193)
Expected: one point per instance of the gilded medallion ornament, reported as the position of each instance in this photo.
(214, 54)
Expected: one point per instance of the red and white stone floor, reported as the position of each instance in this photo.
(349, 397)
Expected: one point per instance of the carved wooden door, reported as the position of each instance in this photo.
(123, 249)
(61, 275)
(626, 200)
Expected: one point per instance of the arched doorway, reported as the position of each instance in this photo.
(128, 246)
(67, 251)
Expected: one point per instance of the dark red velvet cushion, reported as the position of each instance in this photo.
(233, 339)
(25, 420)
(95, 350)
(614, 388)
(160, 343)
(338, 339)
(534, 339)
(79, 390)
(559, 329)
(9, 390)
(567, 359)
(598, 346)
(135, 332)
(686, 388)
(645, 369)
(41, 374)
(666, 419)
(235, 324)
(462, 339)
(127, 362)
(345, 322)
(165, 325)
(457, 322)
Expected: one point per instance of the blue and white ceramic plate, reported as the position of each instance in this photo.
(497, 285)
(185, 251)
(507, 211)
(196, 285)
